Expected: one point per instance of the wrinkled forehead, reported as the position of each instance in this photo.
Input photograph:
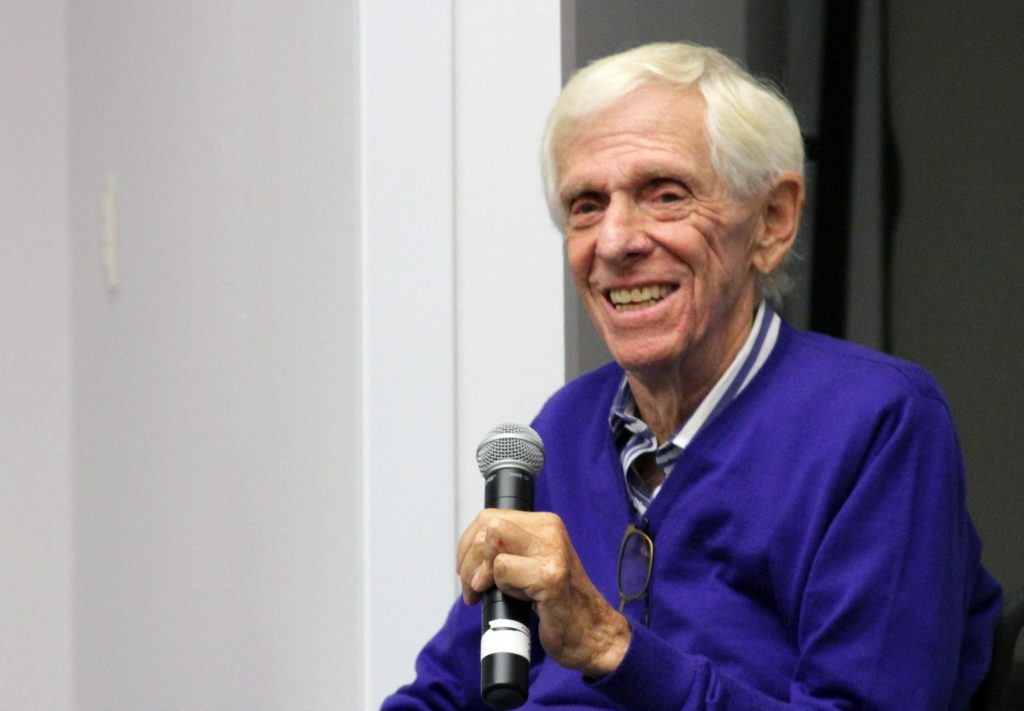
(653, 117)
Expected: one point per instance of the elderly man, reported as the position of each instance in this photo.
(791, 506)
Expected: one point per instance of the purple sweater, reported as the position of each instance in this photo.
(812, 550)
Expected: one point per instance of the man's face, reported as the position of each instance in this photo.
(661, 254)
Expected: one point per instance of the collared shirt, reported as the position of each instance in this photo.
(635, 437)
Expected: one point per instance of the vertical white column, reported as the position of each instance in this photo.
(408, 332)
(462, 290)
(510, 324)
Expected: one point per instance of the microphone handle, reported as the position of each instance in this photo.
(505, 620)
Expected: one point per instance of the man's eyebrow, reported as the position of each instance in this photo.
(653, 173)
(576, 189)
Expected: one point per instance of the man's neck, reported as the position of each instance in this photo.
(665, 408)
(666, 398)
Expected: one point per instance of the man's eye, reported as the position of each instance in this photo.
(585, 211)
(584, 205)
(667, 199)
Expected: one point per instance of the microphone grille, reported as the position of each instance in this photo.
(511, 445)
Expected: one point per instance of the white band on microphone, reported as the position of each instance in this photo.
(506, 636)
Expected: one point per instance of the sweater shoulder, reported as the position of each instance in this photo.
(573, 424)
(831, 363)
(584, 393)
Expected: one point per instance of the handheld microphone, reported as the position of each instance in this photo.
(509, 458)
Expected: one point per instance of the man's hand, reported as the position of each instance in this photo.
(529, 556)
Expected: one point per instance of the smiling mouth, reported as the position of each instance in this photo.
(639, 297)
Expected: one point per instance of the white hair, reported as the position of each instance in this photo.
(751, 130)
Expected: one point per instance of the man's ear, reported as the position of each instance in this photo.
(780, 217)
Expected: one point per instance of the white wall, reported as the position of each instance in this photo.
(35, 444)
(217, 389)
(408, 331)
(223, 477)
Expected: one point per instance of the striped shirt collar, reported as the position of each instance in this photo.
(635, 438)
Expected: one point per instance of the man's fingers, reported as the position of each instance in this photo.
(470, 536)
(466, 543)
(470, 561)
(521, 577)
(492, 534)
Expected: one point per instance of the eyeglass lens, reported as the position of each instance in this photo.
(635, 565)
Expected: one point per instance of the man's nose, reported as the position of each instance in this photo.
(622, 233)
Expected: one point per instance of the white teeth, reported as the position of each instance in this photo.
(646, 295)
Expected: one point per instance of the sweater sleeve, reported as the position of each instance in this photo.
(447, 668)
(896, 612)
(886, 618)
(654, 675)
